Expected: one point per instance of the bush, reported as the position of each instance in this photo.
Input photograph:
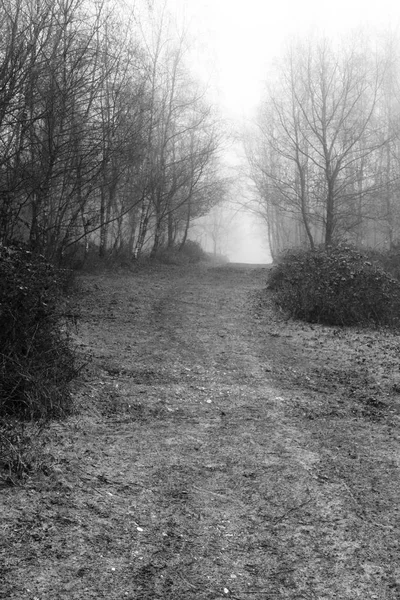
(335, 286)
(168, 256)
(190, 253)
(389, 260)
(36, 361)
(193, 252)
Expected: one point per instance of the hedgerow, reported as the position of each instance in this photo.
(193, 252)
(336, 286)
(190, 253)
(37, 363)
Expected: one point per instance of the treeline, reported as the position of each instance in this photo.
(325, 154)
(104, 136)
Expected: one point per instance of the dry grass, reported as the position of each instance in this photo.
(212, 456)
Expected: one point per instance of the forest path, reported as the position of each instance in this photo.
(204, 465)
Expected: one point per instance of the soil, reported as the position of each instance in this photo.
(218, 450)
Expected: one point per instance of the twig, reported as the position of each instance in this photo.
(194, 587)
(224, 496)
(295, 508)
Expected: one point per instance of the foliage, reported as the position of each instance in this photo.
(389, 260)
(190, 253)
(36, 361)
(337, 286)
(193, 251)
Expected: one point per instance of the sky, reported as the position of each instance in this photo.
(234, 43)
(236, 40)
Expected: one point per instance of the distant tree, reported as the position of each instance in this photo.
(319, 134)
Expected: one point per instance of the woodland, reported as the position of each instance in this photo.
(106, 138)
(110, 144)
(324, 151)
(173, 425)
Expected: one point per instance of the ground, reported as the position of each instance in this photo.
(218, 450)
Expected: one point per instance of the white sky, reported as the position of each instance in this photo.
(235, 40)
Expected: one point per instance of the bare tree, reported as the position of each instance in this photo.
(182, 141)
(318, 129)
(104, 136)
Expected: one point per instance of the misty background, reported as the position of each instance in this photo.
(130, 128)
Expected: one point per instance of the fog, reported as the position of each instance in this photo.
(236, 235)
(249, 243)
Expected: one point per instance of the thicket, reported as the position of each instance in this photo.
(37, 362)
(190, 253)
(338, 285)
(389, 260)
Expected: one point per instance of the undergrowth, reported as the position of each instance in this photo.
(336, 286)
(37, 363)
(190, 253)
(22, 450)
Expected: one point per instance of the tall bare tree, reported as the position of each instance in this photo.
(318, 131)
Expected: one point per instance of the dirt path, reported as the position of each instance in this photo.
(213, 457)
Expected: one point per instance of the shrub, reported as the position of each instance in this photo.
(169, 256)
(36, 360)
(190, 253)
(194, 252)
(336, 286)
(389, 260)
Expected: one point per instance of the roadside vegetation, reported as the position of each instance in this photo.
(37, 361)
(338, 285)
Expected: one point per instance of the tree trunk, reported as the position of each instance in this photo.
(330, 222)
(171, 236)
(143, 225)
(157, 238)
(187, 224)
(104, 227)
